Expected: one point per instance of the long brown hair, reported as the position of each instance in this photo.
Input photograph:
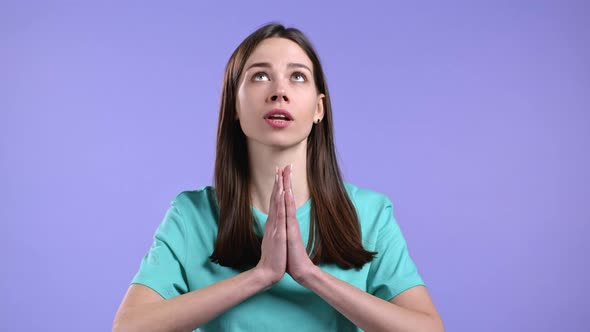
(335, 234)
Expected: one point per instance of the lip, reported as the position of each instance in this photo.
(278, 123)
(279, 111)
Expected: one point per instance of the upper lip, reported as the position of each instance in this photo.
(278, 111)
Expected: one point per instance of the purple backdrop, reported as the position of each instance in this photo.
(472, 118)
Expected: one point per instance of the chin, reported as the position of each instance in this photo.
(276, 142)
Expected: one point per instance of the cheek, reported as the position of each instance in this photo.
(248, 98)
(246, 107)
(241, 99)
(310, 105)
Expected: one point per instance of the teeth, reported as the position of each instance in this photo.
(278, 116)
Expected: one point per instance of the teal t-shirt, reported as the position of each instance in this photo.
(178, 262)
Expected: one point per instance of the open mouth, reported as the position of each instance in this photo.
(279, 117)
(278, 122)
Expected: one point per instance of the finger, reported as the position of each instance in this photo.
(275, 188)
(273, 197)
(291, 209)
(290, 202)
(291, 223)
(288, 174)
(281, 214)
(281, 180)
(289, 197)
(291, 185)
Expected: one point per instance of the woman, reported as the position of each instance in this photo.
(287, 248)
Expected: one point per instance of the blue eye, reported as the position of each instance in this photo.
(258, 76)
(302, 76)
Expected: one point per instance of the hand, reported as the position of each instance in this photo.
(273, 258)
(298, 262)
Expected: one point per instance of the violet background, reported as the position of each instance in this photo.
(472, 116)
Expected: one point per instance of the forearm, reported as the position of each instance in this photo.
(366, 311)
(191, 310)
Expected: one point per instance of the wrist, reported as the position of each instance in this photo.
(263, 278)
(306, 278)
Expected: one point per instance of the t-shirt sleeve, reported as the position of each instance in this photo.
(392, 271)
(163, 267)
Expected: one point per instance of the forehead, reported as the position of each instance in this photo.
(278, 52)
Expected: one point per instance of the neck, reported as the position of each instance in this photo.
(264, 159)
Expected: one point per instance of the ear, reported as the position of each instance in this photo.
(319, 110)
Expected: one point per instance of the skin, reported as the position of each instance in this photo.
(278, 85)
(262, 89)
(275, 190)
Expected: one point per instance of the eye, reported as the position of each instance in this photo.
(299, 76)
(260, 76)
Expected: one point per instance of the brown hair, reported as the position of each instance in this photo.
(335, 234)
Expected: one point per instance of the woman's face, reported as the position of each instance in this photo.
(277, 76)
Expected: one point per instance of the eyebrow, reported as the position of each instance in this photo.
(268, 65)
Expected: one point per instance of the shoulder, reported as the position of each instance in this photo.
(197, 205)
(374, 211)
(367, 200)
(202, 199)
(199, 213)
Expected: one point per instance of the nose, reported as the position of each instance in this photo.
(279, 94)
